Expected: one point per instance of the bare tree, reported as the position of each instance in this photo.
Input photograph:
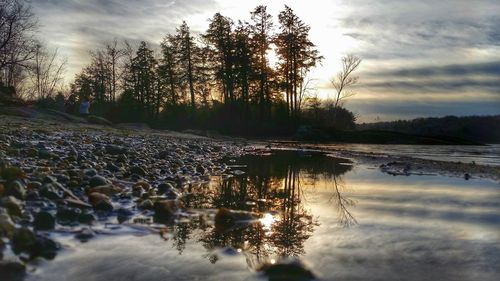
(307, 89)
(17, 41)
(46, 73)
(345, 79)
(114, 54)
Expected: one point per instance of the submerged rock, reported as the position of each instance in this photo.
(226, 218)
(287, 270)
(166, 209)
(25, 241)
(85, 234)
(12, 269)
(44, 221)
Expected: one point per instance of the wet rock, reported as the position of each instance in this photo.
(287, 270)
(12, 269)
(24, 240)
(7, 227)
(44, 221)
(200, 169)
(49, 179)
(122, 158)
(90, 172)
(100, 201)
(123, 214)
(85, 234)
(17, 189)
(137, 190)
(31, 152)
(226, 218)
(87, 218)
(146, 205)
(108, 189)
(144, 185)
(67, 214)
(44, 153)
(62, 178)
(113, 168)
(12, 205)
(98, 181)
(34, 185)
(137, 171)
(2, 189)
(164, 187)
(32, 195)
(115, 149)
(166, 209)
(12, 173)
(51, 191)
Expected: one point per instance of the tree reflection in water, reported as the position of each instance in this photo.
(273, 186)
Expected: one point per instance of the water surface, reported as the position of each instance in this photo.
(345, 222)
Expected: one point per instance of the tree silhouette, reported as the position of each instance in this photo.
(344, 80)
(298, 55)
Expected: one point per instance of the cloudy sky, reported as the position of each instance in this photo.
(420, 57)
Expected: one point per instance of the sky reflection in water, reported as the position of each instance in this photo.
(346, 222)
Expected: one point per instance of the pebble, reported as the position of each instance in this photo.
(115, 149)
(137, 171)
(17, 189)
(98, 181)
(12, 205)
(100, 201)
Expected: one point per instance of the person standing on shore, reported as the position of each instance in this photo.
(85, 107)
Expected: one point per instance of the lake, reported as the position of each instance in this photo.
(343, 221)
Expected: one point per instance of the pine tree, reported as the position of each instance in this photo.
(220, 40)
(145, 88)
(261, 29)
(297, 56)
(167, 71)
(186, 53)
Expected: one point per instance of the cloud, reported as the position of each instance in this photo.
(409, 48)
(369, 110)
(485, 68)
(78, 26)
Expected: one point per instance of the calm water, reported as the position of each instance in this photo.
(345, 222)
(484, 154)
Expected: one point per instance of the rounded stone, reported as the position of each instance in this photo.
(44, 221)
(98, 181)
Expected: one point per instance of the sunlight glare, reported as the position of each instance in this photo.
(267, 221)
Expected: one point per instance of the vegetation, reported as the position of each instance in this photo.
(485, 129)
(221, 79)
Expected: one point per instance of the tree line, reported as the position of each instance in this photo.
(219, 78)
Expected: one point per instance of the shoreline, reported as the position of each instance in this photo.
(396, 165)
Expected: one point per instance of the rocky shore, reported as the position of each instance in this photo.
(63, 177)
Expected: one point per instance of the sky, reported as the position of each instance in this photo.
(420, 57)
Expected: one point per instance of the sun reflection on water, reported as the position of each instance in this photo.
(267, 221)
